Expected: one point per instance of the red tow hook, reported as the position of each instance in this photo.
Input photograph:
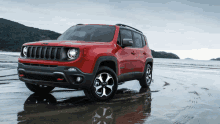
(59, 79)
(21, 75)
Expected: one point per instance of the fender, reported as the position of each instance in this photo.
(105, 58)
(149, 60)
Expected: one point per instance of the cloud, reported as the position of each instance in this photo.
(168, 25)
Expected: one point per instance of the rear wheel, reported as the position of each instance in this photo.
(104, 85)
(39, 88)
(146, 79)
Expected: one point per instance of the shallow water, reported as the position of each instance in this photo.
(192, 94)
(182, 92)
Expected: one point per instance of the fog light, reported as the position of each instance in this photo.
(79, 79)
(71, 69)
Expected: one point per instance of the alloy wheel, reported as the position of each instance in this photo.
(103, 84)
(148, 75)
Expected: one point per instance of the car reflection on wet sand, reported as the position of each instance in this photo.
(127, 107)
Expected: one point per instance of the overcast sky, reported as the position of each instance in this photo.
(188, 28)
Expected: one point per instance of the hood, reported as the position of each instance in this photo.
(67, 43)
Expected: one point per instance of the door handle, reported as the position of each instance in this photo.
(133, 53)
(144, 53)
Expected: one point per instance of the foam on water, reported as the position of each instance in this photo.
(180, 63)
(10, 53)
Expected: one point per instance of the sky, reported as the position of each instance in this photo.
(187, 28)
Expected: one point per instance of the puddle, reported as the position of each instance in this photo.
(125, 104)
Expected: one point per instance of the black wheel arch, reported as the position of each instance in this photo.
(98, 64)
(103, 59)
(150, 61)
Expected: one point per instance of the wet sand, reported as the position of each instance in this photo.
(177, 95)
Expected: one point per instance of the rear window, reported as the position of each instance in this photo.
(143, 39)
(96, 33)
(146, 40)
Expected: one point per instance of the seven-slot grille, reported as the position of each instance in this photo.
(44, 52)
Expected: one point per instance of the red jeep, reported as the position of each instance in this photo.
(91, 57)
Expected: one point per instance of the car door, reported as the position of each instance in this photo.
(126, 55)
(140, 52)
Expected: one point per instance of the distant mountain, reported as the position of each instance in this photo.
(164, 55)
(13, 35)
(216, 59)
(189, 58)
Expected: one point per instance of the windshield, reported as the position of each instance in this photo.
(96, 33)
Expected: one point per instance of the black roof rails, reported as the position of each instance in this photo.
(129, 27)
(80, 24)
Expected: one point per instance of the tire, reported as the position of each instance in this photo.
(146, 79)
(101, 88)
(39, 103)
(40, 89)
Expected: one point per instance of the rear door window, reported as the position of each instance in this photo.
(137, 40)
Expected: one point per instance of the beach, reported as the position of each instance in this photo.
(182, 92)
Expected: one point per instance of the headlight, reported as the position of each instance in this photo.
(72, 53)
(25, 51)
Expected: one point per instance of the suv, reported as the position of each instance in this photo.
(91, 57)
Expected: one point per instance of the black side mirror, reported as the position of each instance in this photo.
(127, 42)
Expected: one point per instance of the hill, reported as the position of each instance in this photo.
(216, 59)
(164, 55)
(13, 35)
(188, 59)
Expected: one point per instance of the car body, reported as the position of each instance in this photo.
(117, 52)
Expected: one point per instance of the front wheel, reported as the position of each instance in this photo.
(104, 85)
(39, 88)
(146, 79)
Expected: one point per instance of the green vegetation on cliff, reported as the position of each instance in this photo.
(164, 55)
(13, 35)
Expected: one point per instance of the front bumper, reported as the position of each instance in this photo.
(48, 75)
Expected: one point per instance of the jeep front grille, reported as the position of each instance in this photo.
(44, 52)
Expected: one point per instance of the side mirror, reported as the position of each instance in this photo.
(127, 42)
